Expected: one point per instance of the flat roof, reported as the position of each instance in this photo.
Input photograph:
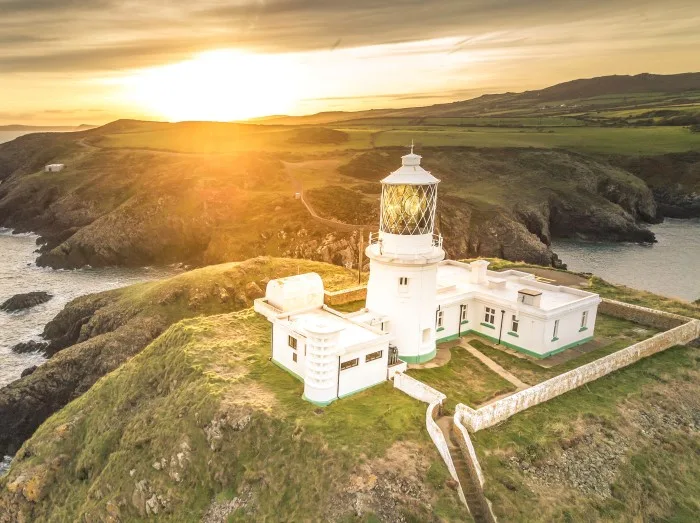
(454, 280)
(350, 333)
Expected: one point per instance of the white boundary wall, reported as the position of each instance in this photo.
(417, 389)
(469, 448)
(439, 440)
(420, 391)
(501, 410)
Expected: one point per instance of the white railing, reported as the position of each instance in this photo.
(375, 239)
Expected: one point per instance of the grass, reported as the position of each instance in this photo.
(464, 379)
(657, 474)
(286, 456)
(352, 306)
(633, 141)
(617, 332)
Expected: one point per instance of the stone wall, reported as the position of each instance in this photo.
(351, 294)
(441, 443)
(503, 409)
(643, 315)
(475, 472)
(417, 389)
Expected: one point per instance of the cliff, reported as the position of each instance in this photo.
(166, 404)
(673, 178)
(192, 422)
(95, 334)
(124, 205)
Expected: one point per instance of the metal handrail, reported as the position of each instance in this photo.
(375, 239)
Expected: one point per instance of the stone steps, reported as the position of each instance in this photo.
(470, 487)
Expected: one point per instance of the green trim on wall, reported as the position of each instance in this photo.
(451, 337)
(583, 329)
(440, 329)
(510, 333)
(318, 403)
(464, 322)
(555, 339)
(288, 370)
(488, 325)
(510, 345)
(419, 359)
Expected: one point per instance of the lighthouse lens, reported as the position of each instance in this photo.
(408, 209)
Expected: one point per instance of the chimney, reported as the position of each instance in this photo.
(478, 271)
(529, 297)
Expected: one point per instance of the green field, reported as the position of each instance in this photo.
(624, 140)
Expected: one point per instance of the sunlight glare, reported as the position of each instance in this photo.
(221, 85)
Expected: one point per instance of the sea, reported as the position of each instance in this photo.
(19, 274)
(670, 267)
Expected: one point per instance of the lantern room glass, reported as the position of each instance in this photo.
(408, 209)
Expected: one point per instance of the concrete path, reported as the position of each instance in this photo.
(494, 366)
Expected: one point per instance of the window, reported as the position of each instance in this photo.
(292, 341)
(294, 357)
(426, 335)
(349, 364)
(514, 324)
(490, 315)
(463, 313)
(374, 356)
(584, 320)
(439, 317)
(556, 330)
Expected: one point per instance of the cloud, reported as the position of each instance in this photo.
(104, 35)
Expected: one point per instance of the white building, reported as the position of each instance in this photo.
(333, 354)
(54, 167)
(415, 299)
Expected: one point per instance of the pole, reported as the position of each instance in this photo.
(359, 256)
(500, 331)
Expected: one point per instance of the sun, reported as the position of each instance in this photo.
(221, 85)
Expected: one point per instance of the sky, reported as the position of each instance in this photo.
(65, 62)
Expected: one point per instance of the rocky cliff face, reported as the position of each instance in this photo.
(140, 207)
(673, 178)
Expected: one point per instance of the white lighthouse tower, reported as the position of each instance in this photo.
(404, 256)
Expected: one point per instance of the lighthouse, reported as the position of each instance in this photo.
(404, 257)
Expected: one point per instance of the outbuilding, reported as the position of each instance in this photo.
(54, 167)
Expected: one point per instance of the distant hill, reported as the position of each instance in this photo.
(42, 128)
(581, 92)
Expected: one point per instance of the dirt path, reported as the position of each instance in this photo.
(299, 188)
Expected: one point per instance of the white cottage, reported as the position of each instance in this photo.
(54, 167)
(415, 299)
(334, 354)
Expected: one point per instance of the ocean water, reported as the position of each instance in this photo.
(19, 274)
(670, 267)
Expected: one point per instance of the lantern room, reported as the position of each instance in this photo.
(409, 197)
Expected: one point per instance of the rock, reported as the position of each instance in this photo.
(30, 346)
(20, 302)
(28, 371)
(253, 291)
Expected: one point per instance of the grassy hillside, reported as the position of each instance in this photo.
(517, 169)
(623, 448)
(202, 421)
(197, 423)
(97, 333)
(121, 202)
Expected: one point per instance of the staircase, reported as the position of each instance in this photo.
(470, 486)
